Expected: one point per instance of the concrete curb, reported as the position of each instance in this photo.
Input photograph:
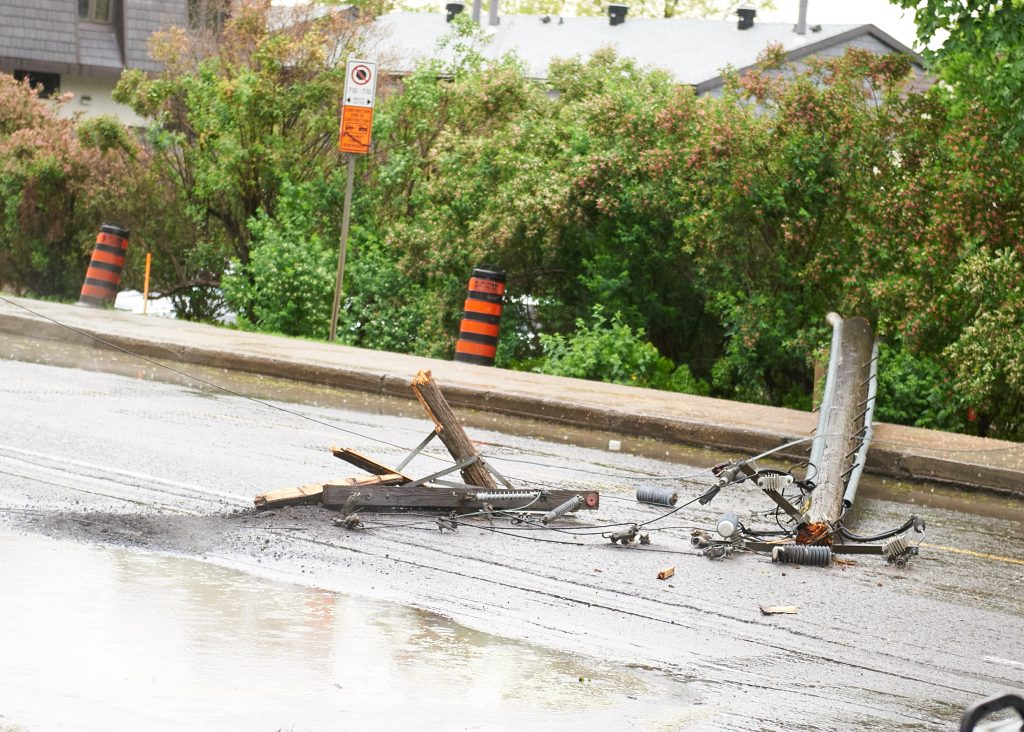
(897, 451)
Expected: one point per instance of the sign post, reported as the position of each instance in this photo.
(354, 139)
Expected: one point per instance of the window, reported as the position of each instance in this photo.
(95, 11)
(50, 83)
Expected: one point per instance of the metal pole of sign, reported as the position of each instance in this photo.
(343, 244)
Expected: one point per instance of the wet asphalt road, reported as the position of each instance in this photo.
(140, 458)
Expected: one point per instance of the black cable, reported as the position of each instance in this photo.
(680, 507)
(878, 537)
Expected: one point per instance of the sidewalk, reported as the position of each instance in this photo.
(900, 452)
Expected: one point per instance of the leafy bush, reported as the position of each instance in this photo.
(612, 351)
(915, 390)
(58, 183)
(288, 284)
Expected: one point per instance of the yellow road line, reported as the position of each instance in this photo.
(969, 553)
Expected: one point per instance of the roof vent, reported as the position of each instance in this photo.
(453, 10)
(617, 13)
(746, 14)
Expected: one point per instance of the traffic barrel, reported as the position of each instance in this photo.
(104, 273)
(481, 316)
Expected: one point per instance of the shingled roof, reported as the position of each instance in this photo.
(46, 35)
(693, 51)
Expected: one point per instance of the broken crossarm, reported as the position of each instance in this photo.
(446, 498)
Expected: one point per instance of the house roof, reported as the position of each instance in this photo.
(693, 51)
(46, 35)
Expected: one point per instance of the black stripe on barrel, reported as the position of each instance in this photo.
(481, 317)
(105, 267)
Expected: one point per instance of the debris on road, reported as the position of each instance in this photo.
(289, 497)
(484, 490)
(808, 511)
(778, 609)
(666, 573)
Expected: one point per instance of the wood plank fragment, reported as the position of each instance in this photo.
(289, 496)
(429, 497)
(778, 609)
(388, 479)
(449, 430)
(666, 573)
(364, 463)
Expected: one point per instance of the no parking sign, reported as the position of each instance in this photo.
(357, 106)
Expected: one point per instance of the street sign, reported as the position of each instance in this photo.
(357, 107)
(353, 139)
(360, 83)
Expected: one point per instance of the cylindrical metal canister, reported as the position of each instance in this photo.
(104, 274)
(481, 317)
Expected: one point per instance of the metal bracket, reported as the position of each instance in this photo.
(416, 451)
(785, 505)
(501, 478)
(458, 466)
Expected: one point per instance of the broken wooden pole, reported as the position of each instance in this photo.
(843, 422)
(448, 429)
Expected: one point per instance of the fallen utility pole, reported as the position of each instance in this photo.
(390, 489)
(843, 420)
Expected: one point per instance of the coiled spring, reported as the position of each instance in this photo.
(517, 496)
(657, 495)
(558, 511)
(811, 556)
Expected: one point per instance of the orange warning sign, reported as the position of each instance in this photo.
(356, 128)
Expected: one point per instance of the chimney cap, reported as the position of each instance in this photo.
(617, 13)
(746, 14)
(453, 10)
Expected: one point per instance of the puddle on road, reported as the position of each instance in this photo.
(104, 638)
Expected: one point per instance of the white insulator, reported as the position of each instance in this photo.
(777, 483)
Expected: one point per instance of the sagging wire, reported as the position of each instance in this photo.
(293, 413)
(210, 383)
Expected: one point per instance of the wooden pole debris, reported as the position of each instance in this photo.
(289, 497)
(370, 481)
(313, 493)
(448, 429)
(365, 463)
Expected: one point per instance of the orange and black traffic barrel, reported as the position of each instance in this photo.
(481, 316)
(104, 273)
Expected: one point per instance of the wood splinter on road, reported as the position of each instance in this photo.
(778, 609)
(289, 497)
(666, 573)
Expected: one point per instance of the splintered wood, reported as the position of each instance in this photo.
(365, 463)
(289, 497)
(450, 432)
